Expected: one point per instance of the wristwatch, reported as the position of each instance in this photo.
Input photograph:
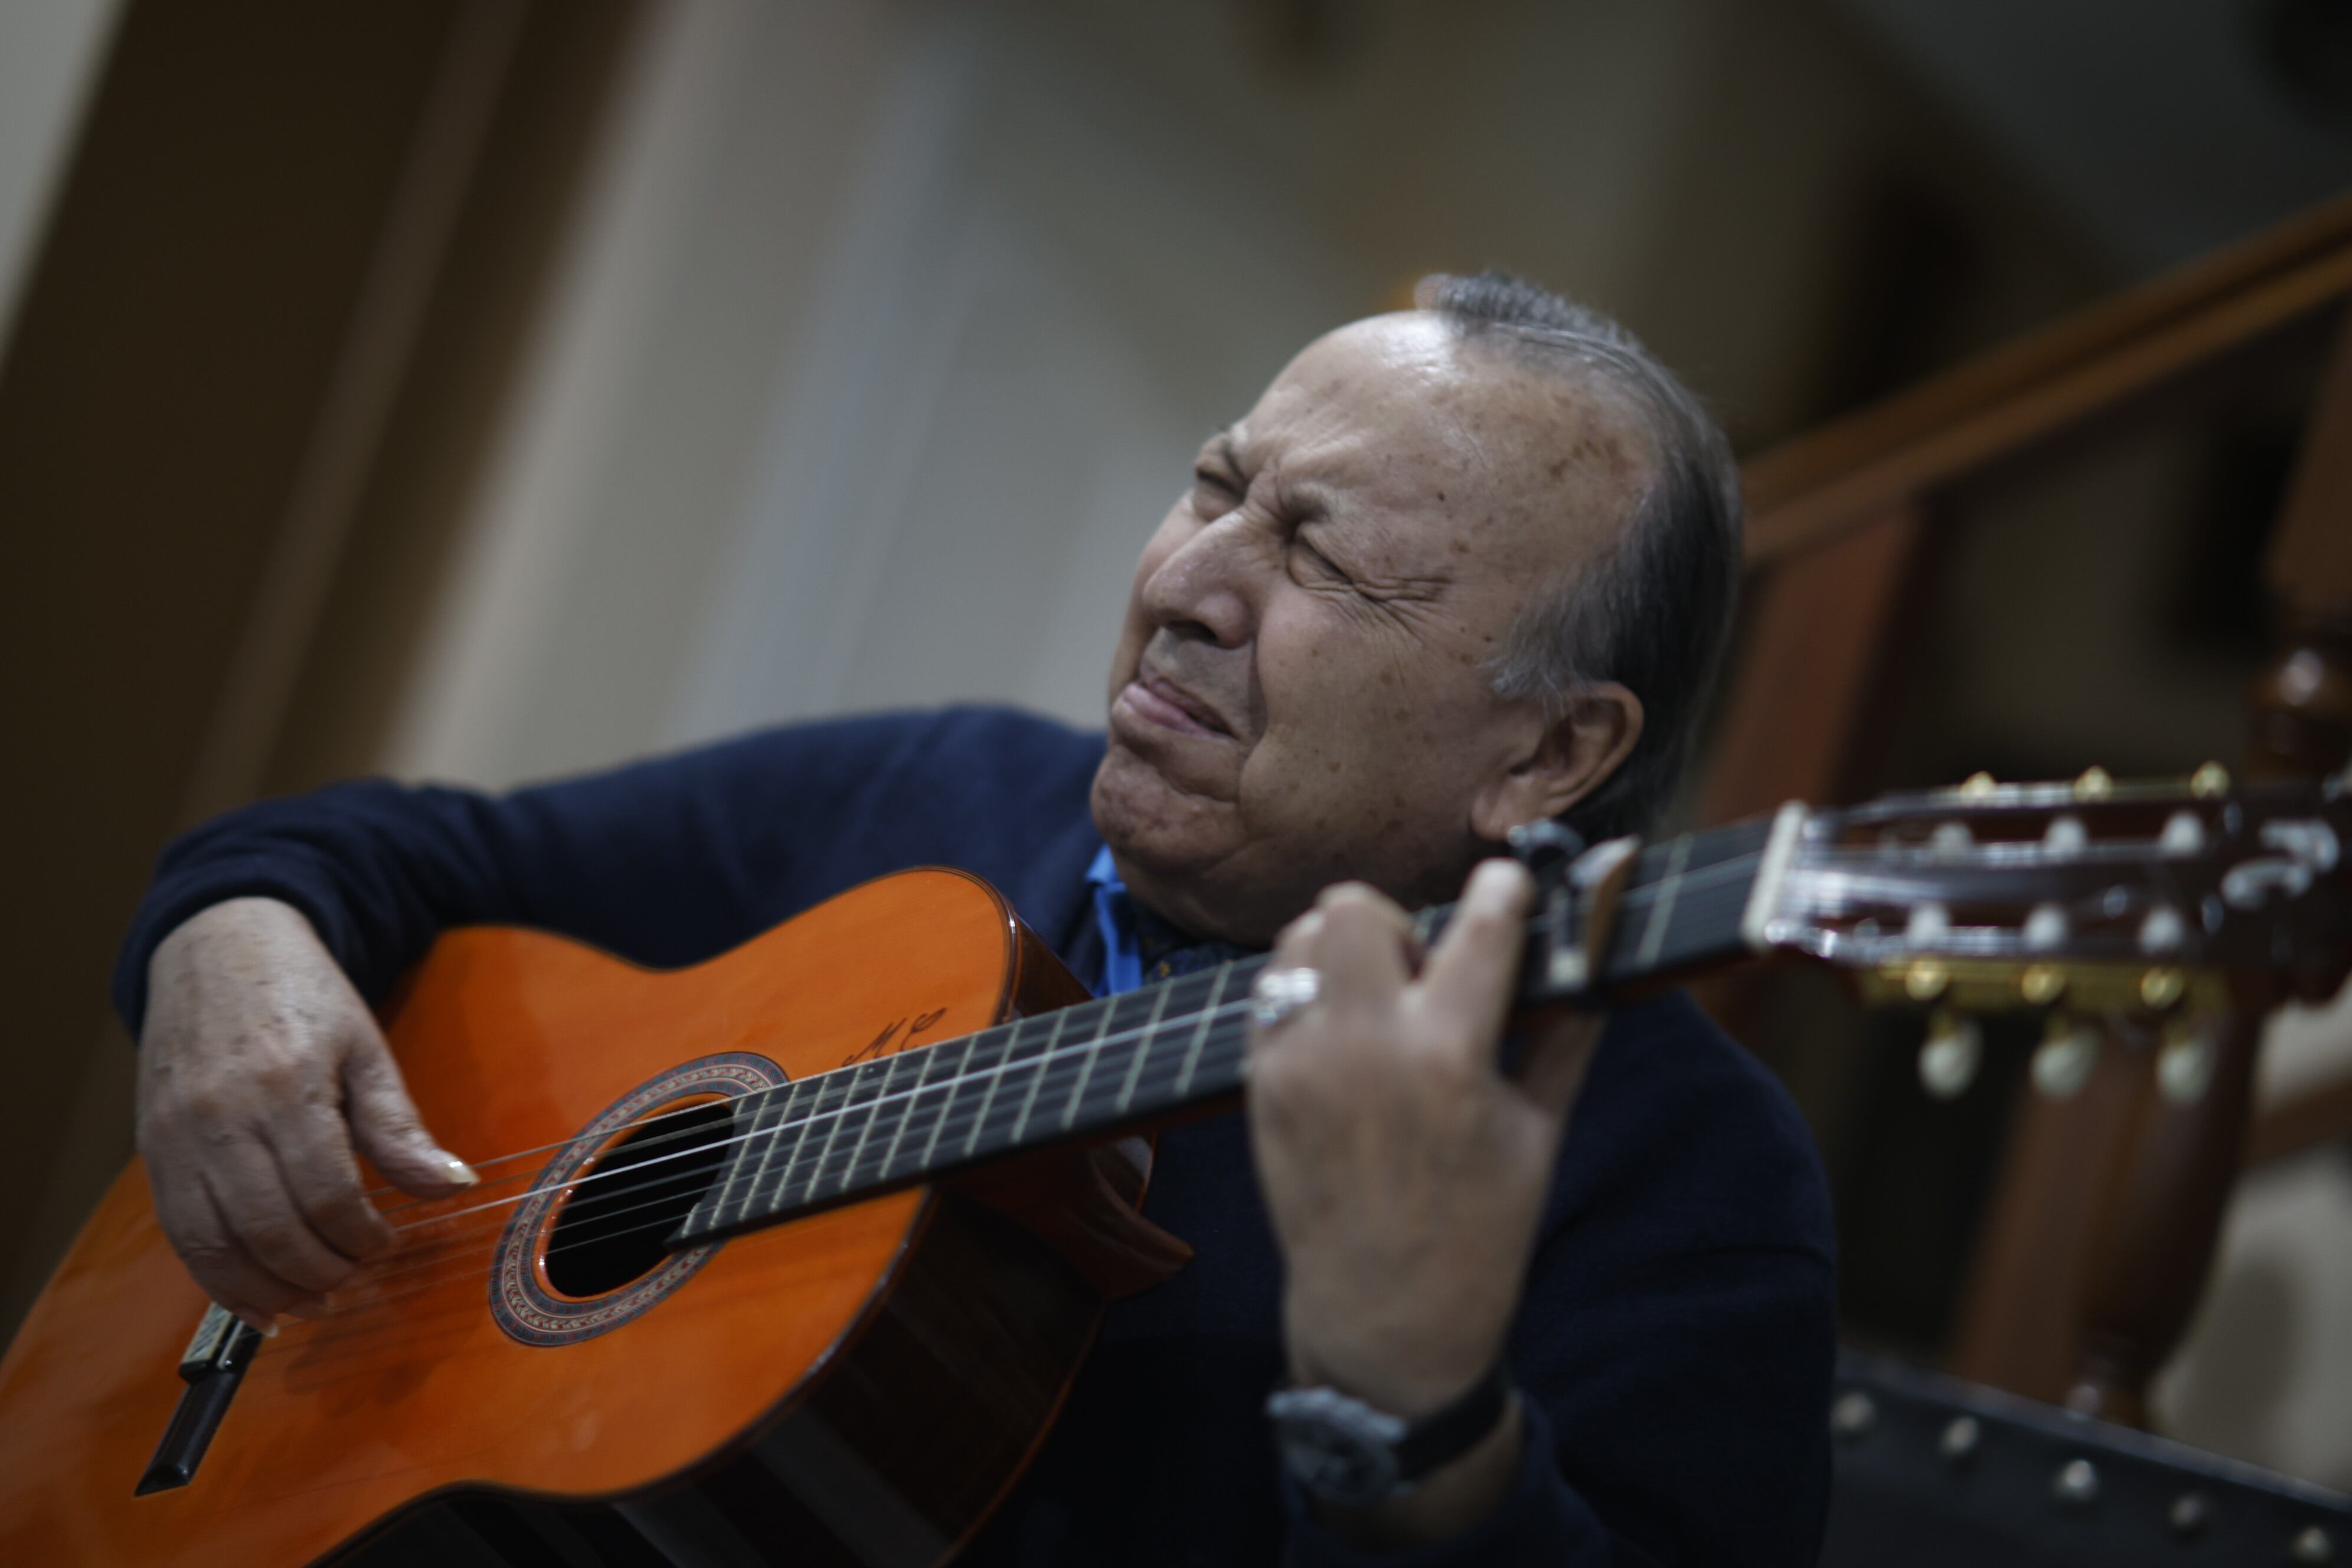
(1339, 1447)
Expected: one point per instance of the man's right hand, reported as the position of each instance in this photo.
(260, 1071)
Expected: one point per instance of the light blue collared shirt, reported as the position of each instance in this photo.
(1115, 915)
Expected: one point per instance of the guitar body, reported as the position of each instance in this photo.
(857, 1386)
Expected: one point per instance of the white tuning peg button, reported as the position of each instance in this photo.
(2065, 835)
(2184, 1067)
(2184, 834)
(2164, 931)
(1950, 1059)
(2046, 927)
(2063, 1063)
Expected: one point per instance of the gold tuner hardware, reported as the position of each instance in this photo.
(2184, 1068)
(2160, 987)
(1949, 1059)
(2094, 783)
(1976, 786)
(1926, 979)
(2209, 781)
(2042, 983)
(2063, 1061)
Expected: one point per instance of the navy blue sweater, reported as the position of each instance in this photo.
(1676, 1338)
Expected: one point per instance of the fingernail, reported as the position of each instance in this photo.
(1498, 876)
(265, 1326)
(311, 1309)
(456, 1170)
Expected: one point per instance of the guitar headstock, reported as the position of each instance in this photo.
(2083, 897)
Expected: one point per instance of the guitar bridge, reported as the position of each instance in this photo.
(213, 1365)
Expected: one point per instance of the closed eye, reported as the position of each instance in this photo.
(1318, 562)
(1213, 493)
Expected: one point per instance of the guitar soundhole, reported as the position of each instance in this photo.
(585, 1250)
(614, 1227)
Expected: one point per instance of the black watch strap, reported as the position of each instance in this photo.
(1444, 1436)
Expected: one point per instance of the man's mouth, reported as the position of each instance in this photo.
(1158, 701)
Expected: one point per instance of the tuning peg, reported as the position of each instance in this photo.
(1977, 785)
(2094, 784)
(2042, 983)
(2160, 987)
(2184, 1068)
(2065, 835)
(2184, 831)
(1949, 1059)
(2209, 781)
(2062, 1062)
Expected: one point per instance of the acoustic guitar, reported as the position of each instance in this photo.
(790, 1258)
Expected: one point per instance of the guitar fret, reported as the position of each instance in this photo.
(760, 1140)
(1674, 913)
(1143, 1046)
(1200, 1034)
(832, 1117)
(881, 1097)
(1226, 1060)
(1042, 1065)
(910, 1105)
(947, 1095)
(1662, 907)
(980, 1117)
(1092, 1054)
(767, 1191)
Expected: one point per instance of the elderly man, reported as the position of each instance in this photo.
(1462, 568)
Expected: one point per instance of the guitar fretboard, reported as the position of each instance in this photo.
(1084, 1071)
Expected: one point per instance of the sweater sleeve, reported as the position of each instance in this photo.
(664, 862)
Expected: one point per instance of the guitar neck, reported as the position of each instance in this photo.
(1091, 1069)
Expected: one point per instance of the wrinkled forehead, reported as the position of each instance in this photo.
(1403, 410)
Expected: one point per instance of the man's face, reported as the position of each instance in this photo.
(1301, 693)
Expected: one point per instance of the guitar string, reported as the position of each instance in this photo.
(1641, 896)
(1074, 1052)
(1057, 1071)
(956, 1121)
(1056, 1063)
(1222, 1042)
(752, 1100)
(848, 1172)
(1079, 1051)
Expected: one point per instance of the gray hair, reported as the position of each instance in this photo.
(1654, 612)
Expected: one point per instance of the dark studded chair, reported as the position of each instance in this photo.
(1936, 1473)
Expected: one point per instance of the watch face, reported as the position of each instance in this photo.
(1335, 1447)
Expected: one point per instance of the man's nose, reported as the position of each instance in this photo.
(1205, 584)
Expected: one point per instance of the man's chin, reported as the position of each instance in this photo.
(1152, 821)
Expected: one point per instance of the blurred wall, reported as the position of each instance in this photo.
(49, 55)
(264, 309)
(889, 330)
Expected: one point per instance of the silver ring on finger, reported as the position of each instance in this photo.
(1276, 994)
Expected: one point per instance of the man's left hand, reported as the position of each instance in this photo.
(1404, 1172)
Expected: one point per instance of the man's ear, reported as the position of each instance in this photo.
(1565, 761)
